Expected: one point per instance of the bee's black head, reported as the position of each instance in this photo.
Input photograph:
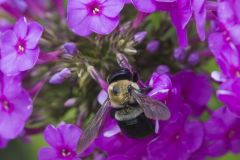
(122, 74)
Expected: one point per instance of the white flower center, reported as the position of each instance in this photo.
(5, 105)
(65, 153)
(95, 10)
(21, 48)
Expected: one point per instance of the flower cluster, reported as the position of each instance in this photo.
(224, 44)
(19, 52)
(48, 78)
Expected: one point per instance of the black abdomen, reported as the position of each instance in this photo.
(138, 127)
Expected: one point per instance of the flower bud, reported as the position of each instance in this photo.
(59, 77)
(162, 69)
(152, 46)
(70, 102)
(139, 37)
(179, 54)
(193, 59)
(70, 48)
(97, 77)
(123, 61)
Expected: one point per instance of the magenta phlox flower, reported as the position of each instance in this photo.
(99, 16)
(63, 143)
(225, 45)
(222, 134)
(15, 107)
(19, 47)
(178, 92)
(230, 95)
(224, 41)
(194, 89)
(160, 85)
(181, 137)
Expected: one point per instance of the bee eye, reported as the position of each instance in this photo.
(115, 90)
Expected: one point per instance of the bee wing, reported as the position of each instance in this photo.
(93, 128)
(152, 108)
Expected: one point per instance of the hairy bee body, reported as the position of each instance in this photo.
(130, 117)
(132, 109)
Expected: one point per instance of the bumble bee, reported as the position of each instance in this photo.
(133, 110)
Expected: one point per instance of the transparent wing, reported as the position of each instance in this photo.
(93, 128)
(152, 108)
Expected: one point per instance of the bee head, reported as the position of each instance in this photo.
(120, 83)
(119, 92)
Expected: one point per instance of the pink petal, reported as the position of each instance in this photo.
(23, 105)
(76, 4)
(85, 1)
(103, 25)
(225, 13)
(215, 42)
(235, 34)
(8, 64)
(181, 32)
(79, 22)
(200, 13)
(53, 136)
(235, 145)
(7, 50)
(20, 28)
(34, 34)
(11, 125)
(70, 135)
(9, 38)
(47, 153)
(12, 87)
(28, 59)
(113, 7)
(76, 16)
(102, 96)
(193, 136)
(147, 6)
(217, 148)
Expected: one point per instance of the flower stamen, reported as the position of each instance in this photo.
(66, 153)
(96, 10)
(21, 48)
(6, 105)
